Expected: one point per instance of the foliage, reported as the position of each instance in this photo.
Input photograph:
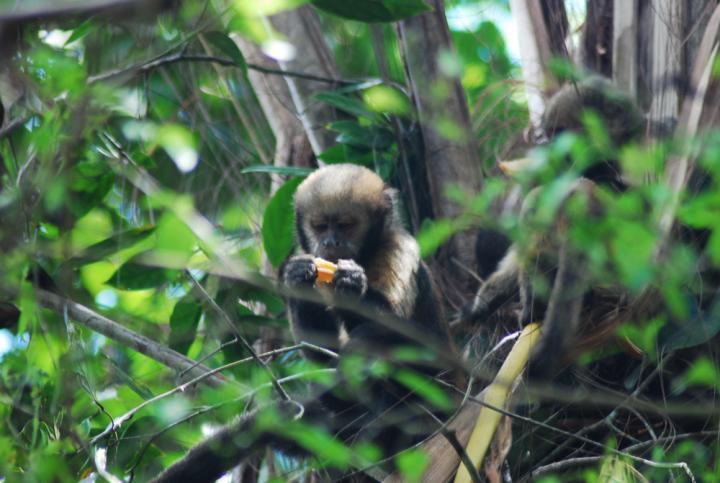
(144, 193)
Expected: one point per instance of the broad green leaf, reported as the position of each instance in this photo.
(371, 137)
(174, 237)
(279, 223)
(134, 276)
(228, 47)
(372, 11)
(284, 170)
(184, 323)
(349, 104)
(387, 99)
(119, 241)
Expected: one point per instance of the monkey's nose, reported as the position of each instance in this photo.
(331, 242)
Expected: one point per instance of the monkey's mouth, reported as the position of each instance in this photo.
(335, 254)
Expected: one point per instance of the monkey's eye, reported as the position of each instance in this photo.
(346, 224)
(319, 226)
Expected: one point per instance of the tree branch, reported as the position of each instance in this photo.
(175, 58)
(112, 330)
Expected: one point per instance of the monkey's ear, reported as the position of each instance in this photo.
(389, 200)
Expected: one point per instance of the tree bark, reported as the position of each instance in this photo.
(624, 46)
(535, 55)
(451, 156)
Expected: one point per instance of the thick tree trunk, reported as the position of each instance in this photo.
(451, 155)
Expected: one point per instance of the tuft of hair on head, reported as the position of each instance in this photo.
(622, 117)
(345, 186)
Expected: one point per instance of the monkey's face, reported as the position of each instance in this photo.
(335, 235)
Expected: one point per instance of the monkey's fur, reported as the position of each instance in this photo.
(345, 214)
(551, 259)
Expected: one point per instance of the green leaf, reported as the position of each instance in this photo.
(372, 11)
(284, 170)
(702, 373)
(134, 276)
(387, 99)
(81, 31)
(279, 223)
(184, 323)
(180, 144)
(174, 237)
(345, 103)
(433, 234)
(119, 241)
(412, 464)
(371, 137)
(228, 47)
(424, 387)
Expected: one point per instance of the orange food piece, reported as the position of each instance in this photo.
(325, 270)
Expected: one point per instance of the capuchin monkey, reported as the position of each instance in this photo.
(517, 271)
(347, 215)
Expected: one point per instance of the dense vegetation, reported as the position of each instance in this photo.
(141, 210)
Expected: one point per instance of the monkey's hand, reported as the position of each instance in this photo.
(300, 271)
(350, 278)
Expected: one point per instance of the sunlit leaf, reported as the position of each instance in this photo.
(387, 99)
(174, 237)
(119, 241)
(180, 145)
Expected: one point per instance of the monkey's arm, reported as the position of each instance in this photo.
(496, 291)
(309, 321)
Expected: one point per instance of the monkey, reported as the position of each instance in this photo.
(551, 259)
(345, 214)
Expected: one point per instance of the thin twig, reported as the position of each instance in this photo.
(236, 333)
(680, 465)
(178, 57)
(117, 422)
